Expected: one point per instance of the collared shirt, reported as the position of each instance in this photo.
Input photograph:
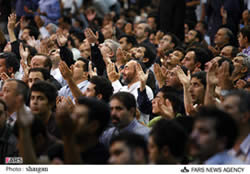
(244, 151)
(133, 127)
(58, 76)
(65, 91)
(223, 158)
(13, 117)
(133, 90)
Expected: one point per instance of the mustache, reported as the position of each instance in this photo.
(193, 143)
(114, 117)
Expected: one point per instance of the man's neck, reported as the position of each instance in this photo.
(132, 82)
(78, 81)
(141, 39)
(244, 132)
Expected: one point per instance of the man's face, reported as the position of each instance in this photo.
(39, 104)
(9, 92)
(33, 77)
(55, 55)
(78, 71)
(124, 44)
(120, 154)
(140, 31)
(25, 35)
(231, 106)
(203, 140)
(139, 54)
(156, 103)
(120, 115)
(166, 43)
(172, 79)
(197, 91)
(189, 61)
(174, 58)
(221, 37)
(209, 63)
(151, 22)
(37, 61)
(190, 36)
(85, 50)
(90, 91)
(107, 31)
(227, 52)
(153, 151)
(238, 64)
(242, 41)
(129, 72)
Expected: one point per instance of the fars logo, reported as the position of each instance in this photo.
(13, 160)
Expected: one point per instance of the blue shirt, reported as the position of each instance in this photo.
(223, 158)
(65, 91)
(52, 9)
(133, 127)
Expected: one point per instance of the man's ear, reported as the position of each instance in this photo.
(165, 151)
(198, 65)
(145, 60)
(10, 70)
(246, 118)
(244, 69)
(99, 96)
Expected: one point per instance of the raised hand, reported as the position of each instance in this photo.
(65, 70)
(91, 37)
(24, 117)
(91, 71)
(4, 76)
(12, 21)
(211, 74)
(184, 79)
(167, 109)
(32, 41)
(159, 75)
(24, 52)
(112, 74)
(143, 77)
(61, 39)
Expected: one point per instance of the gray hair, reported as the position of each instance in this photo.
(246, 60)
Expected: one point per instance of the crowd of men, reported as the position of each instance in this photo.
(125, 81)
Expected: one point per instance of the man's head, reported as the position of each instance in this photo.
(92, 118)
(41, 61)
(108, 31)
(127, 42)
(201, 26)
(170, 94)
(172, 78)
(128, 148)
(151, 21)
(223, 37)
(237, 103)
(28, 32)
(241, 64)
(244, 37)
(55, 57)
(80, 69)
(193, 36)
(13, 88)
(109, 47)
(142, 31)
(195, 58)
(229, 51)
(85, 50)
(168, 42)
(8, 63)
(174, 58)
(123, 109)
(167, 142)
(100, 88)
(129, 72)
(42, 98)
(36, 74)
(145, 55)
(214, 131)
(198, 87)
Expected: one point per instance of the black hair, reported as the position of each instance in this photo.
(11, 60)
(97, 110)
(47, 89)
(148, 54)
(102, 86)
(32, 31)
(86, 63)
(127, 99)
(132, 140)
(245, 31)
(44, 71)
(225, 125)
(130, 39)
(174, 39)
(201, 55)
(201, 75)
(171, 134)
